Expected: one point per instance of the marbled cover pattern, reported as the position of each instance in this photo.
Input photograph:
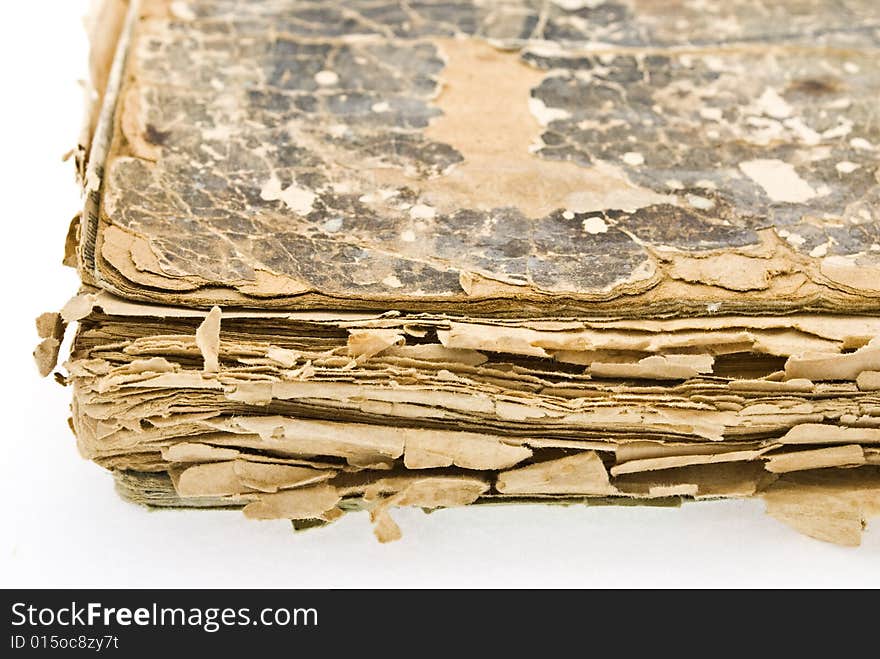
(396, 150)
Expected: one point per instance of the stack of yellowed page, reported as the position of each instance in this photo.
(352, 256)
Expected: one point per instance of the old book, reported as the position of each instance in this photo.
(352, 256)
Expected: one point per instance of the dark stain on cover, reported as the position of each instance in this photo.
(289, 137)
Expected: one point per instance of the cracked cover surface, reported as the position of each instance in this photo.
(611, 158)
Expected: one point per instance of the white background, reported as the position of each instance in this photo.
(64, 525)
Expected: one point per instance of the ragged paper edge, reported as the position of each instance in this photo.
(832, 505)
(50, 329)
(317, 501)
(848, 455)
(538, 337)
(590, 346)
(242, 477)
(708, 423)
(835, 327)
(792, 288)
(581, 473)
(427, 492)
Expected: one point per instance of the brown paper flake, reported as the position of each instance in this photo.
(582, 473)
(208, 340)
(833, 505)
(302, 503)
(850, 455)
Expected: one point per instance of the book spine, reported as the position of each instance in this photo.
(99, 146)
